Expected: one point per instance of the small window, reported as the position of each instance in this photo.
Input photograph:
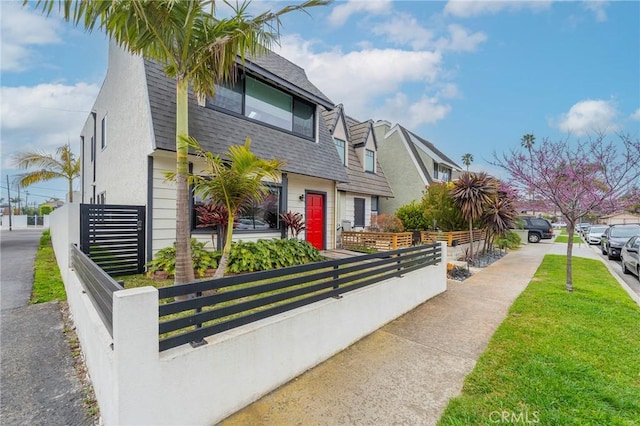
(374, 203)
(341, 147)
(369, 161)
(441, 172)
(93, 149)
(103, 134)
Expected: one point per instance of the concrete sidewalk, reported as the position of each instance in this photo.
(405, 372)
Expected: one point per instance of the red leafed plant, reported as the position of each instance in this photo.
(293, 223)
(213, 216)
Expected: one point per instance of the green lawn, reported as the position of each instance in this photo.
(47, 283)
(565, 239)
(559, 358)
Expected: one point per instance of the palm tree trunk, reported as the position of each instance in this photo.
(184, 265)
(71, 190)
(226, 250)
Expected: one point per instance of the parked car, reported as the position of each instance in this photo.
(595, 233)
(617, 236)
(581, 227)
(630, 258)
(539, 229)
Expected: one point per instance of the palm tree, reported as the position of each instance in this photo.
(196, 47)
(527, 142)
(471, 193)
(467, 159)
(63, 164)
(236, 183)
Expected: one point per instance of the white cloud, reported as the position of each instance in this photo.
(343, 11)
(589, 116)
(636, 115)
(471, 8)
(400, 109)
(404, 29)
(359, 78)
(43, 117)
(598, 8)
(21, 29)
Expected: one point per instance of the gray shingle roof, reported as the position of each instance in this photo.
(216, 131)
(359, 181)
(286, 73)
(429, 145)
(416, 155)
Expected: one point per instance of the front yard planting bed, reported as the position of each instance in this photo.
(559, 358)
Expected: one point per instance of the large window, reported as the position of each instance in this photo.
(259, 101)
(341, 146)
(260, 216)
(369, 161)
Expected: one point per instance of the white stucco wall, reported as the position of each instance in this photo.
(124, 101)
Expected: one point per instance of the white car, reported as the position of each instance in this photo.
(595, 233)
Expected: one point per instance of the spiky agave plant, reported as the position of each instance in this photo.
(471, 193)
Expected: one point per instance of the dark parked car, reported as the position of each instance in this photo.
(615, 237)
(539, 229)
(630, 258)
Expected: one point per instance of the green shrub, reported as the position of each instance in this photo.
(412, 216)
(165, 259)
(270, 254)
(510, 240)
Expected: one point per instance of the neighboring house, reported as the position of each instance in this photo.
(411, 163)
(620, 219)
(128, 144)
(359, 198)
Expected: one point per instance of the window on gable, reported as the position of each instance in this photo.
(341, 146)
(441, 172)
(369, 161)
(259, 101)
(103, 134)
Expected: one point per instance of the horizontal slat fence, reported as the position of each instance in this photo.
(460, 237)
(376, 240)
(98, 285)
(214, 306)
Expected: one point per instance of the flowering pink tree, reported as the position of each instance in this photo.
(577, 179)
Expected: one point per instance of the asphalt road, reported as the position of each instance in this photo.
(630, 280)
(39, 382)
(17, 251)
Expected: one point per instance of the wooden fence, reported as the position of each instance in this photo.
(452, 237)
(380, 241)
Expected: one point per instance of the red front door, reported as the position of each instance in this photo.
(315, 220)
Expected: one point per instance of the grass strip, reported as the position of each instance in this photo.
(565, 239)
(47, 283)
(559, 358)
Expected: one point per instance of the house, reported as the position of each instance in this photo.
(620, 219)
(358, 199)
(128, 145)
(411, 163)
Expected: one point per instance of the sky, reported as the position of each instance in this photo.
(469, 76)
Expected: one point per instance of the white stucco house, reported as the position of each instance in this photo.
(358, 199)
(411, 163)
(128, 143)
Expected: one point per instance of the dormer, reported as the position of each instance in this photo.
(337, 125)
(365, 145)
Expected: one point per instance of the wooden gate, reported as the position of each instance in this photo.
(113, 236)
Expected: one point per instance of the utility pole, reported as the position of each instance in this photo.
(9, 198)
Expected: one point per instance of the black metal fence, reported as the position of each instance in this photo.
(113, 236)
(213, 306)
(98, 285)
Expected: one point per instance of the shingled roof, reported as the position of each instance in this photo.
(430, 148)
(216, 130)
(359, 181)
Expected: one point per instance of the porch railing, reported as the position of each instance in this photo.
(376, 240)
